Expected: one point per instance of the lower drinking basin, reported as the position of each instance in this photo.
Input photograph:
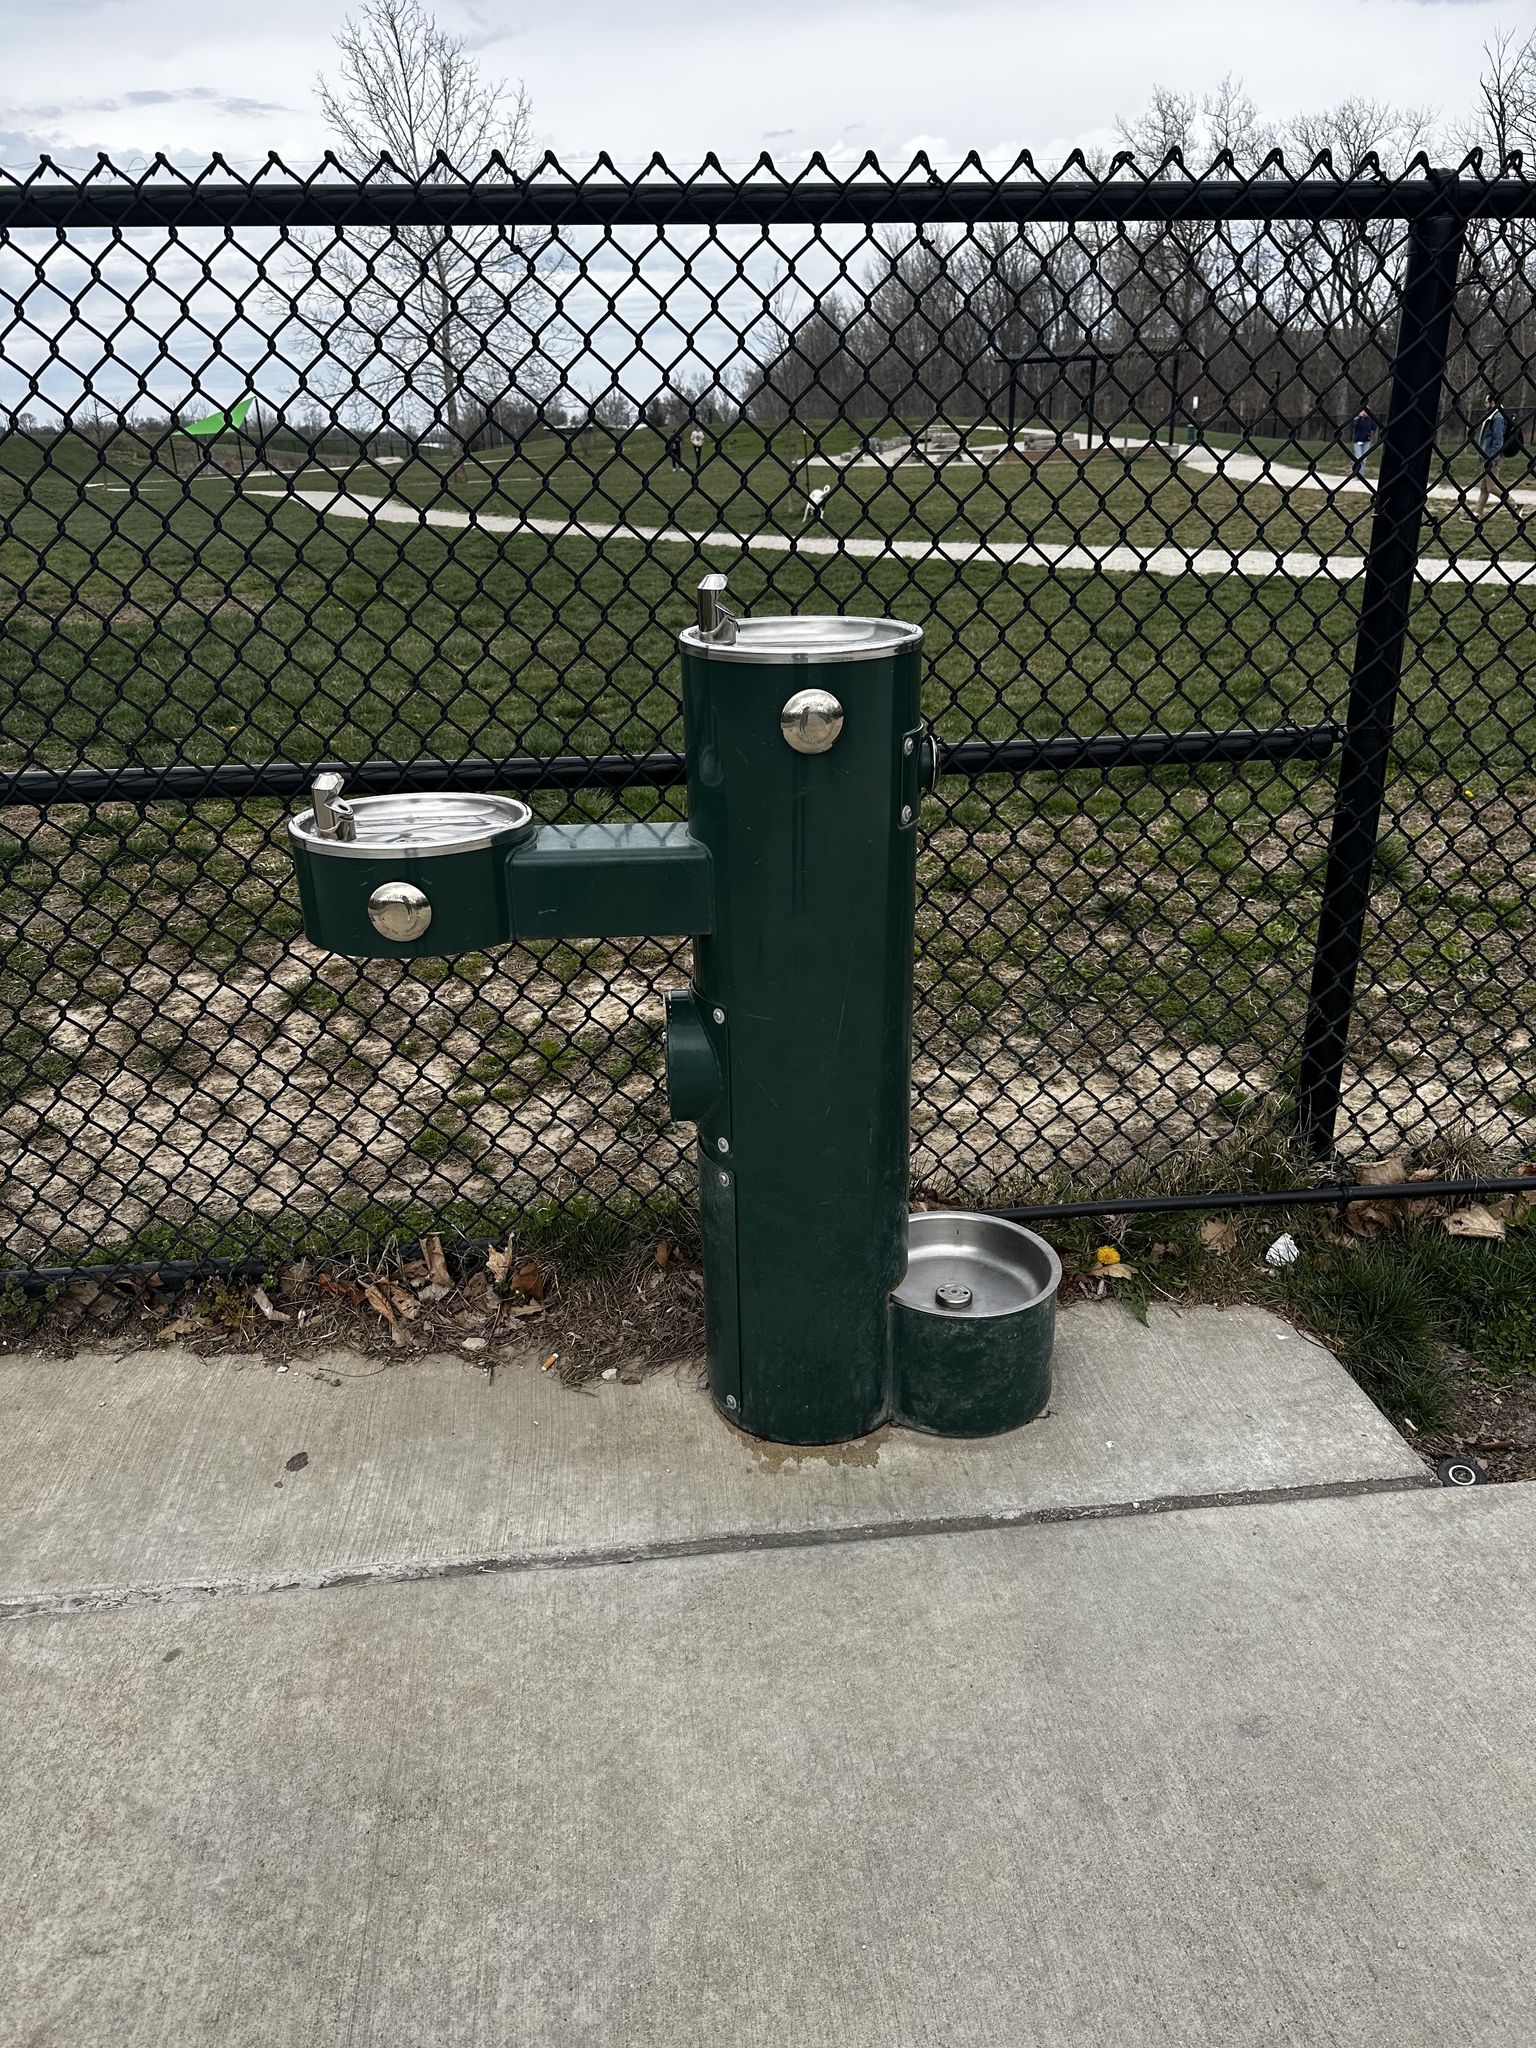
(973, 1324)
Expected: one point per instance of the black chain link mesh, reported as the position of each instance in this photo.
(1094, 438)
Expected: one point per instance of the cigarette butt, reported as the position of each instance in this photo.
(549, 1361)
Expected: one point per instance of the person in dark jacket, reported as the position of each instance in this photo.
(1363, 430)
(1491, 439)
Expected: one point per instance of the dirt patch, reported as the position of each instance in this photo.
(1493, 1422)
(1093, 996)
(195, 1097)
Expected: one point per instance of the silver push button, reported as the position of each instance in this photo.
(399, 911)
(811, 721)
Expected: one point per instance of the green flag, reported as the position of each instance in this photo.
(220, 422)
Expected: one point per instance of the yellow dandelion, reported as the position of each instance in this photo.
(1107, 1255)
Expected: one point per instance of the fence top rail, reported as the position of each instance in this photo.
(107, 198)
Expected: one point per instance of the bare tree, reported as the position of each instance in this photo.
(615, 411)
(1494, 346)
(1176, 287)
(1505, 120)
(447, 319)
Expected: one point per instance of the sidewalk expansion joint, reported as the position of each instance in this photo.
(109, 1600)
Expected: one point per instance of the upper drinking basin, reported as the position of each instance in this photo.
(421, 824)
(807, 638)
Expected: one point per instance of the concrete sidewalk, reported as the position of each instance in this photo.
(583, 1720)
(164, 1474)
(1234, 1775)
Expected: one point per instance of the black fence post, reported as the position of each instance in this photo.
(1418, 375)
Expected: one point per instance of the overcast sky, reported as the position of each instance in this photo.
(134, 76)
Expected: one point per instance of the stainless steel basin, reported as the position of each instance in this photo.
(1000, 1267)
(973, 1324)
(420, 823)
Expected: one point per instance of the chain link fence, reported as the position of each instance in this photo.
(1226, 885)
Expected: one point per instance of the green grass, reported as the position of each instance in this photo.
(1394, 1308)
(1381, 1322)
(208, 626)
(1481, 1296)
(1186, 863)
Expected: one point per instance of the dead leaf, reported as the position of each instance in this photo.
(376, 1298)
(263, 1301)
(1120, 1272)
(663, 1252)
(437, 1265)
(1219, 1234)
(1476, 1220)
(1384, 1173)
(529, 1280)
(186, 1326)
(525, 1309)
(1369, 1219)
(75, 1300)
(499, 1264)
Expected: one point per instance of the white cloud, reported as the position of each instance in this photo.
(841, 77)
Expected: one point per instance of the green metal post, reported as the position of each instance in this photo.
(804, 991)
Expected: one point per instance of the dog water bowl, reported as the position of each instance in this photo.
(972, 1324)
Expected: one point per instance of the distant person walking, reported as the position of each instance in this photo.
(697, 438)
(1492, 443)
(675, 450)
(1363, 429)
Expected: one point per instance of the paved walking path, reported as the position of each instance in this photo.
(1123, 558)
(1230, 464)
(377, 1704)
(1257, 469)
